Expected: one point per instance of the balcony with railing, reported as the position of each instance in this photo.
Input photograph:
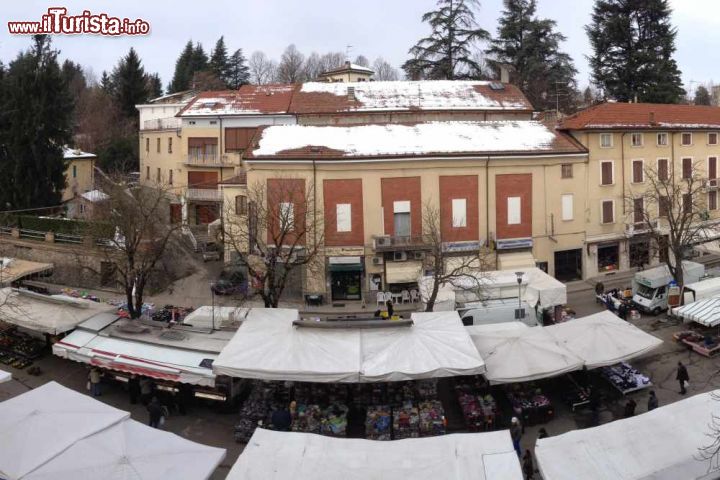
(209, 159)
(204, 195)
(170, 123)
(391, 243)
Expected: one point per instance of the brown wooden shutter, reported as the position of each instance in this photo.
(206, 180)
(638, 213)
(687, 203)
(637, 171)
(662, 170)
(712, 200)
(687, 167)
(607, 173)
(607, 211)
(663, 206)
(712, 167)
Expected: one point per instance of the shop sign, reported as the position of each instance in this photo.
(345, 252)
(513, 243)
(452, 247)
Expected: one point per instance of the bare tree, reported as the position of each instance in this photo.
(273, 232)
(465, 272)
(710, 453)
(671, 209)
(290, 69)
(137, 237)
(331, 60)
(312, 68)
(362, 61)
(262, 69)
(384, 71)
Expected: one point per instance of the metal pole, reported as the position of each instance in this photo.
(212, 290)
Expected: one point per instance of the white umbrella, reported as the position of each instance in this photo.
(132, 451)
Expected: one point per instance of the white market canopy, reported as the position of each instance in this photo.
(659, 445)
(272, 455)
(603, 339)
(53, 314)
(705, 312)
(13, 269)
(55, 433)
(514, 352)
(267, 346)
(5, 376)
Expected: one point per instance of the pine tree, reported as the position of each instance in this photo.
(531, 46)
(130, 84)
(633, 44)
(182, 76)
(238, 71)
(199, 60)
(219, 62)
(702, 96)
(447, 52)
(154, 86)
(35, 123)
(106, 83)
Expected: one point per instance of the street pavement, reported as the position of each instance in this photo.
(204, 425)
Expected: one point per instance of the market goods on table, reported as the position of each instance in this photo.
(405, 421)
(432, 418)
(479, 410)
(625, 378)
(378, 422)
(707, 344)
(529, 403)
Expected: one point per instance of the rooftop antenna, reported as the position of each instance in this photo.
(348, 49)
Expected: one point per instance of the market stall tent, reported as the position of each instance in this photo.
(603, 339)
(272, 455)
(268, 346)
(514, 352)
(14, 269)
(705, 312)
(660, 445)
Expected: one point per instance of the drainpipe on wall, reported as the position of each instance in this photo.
(622, 168)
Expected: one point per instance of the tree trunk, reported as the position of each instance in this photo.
(433, 296)
(130, 302)
(679, 267)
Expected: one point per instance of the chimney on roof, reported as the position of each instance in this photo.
(504, 72)
(652, 118)
(351, 93)
(347, 63)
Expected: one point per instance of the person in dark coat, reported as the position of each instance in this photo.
(281, 419)
(652, 401)
(516, 434)
(595, 405)
(630, 408)
(155, 411)
(682, 377)
(390, 309)
(134, 388)
(527, 465)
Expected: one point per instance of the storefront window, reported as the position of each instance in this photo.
(639, 254)
(608, 257)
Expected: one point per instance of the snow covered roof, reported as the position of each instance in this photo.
(95, 196)
(398, 140)
(608, 116)
(248, 100)
(76, 153)
(434, 95)
(177, 97)
(347, 66)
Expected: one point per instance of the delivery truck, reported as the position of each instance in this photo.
(650, 287)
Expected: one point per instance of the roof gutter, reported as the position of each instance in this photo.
(408, 159)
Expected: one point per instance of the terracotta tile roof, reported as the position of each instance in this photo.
(643, 115)
(438, 95)
(248, 100)
(414, 140)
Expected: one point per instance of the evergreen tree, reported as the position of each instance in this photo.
(531, 46)
(238, 72)
(447, 52)
(130, 84)
(35, 124)
(219, 62)
(199, 60)
(702, 96)
(183, 75)
(154, 86)
(633, 44)
(106, 83)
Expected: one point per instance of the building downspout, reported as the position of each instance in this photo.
(622, 169)
(487, 198)
(314, 204)
(222, 145)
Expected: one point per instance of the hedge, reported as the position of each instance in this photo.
(61, 225)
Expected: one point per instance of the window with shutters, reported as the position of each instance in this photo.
(712, 200)
(662, 169)
(606, 173)
(287, 217)
(662, 139)
(147, 173)
(712, 138)
(663, 206)
(158, 175)
(567, 206)
(241, 205)
(636, 139)
(566, 170)
(687, 168)
(202, 149)
(147, 145)
(606, 140)
(238, 139)
(712, 167)
(343, 216)
(638, 210)
(74, 171)
(401, 218)
(686, 139)
(169, 144)
(158, 144)
(607, 211)
(170, 177)
(687, 203)
(638, 175)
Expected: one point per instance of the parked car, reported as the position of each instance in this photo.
(230, 282)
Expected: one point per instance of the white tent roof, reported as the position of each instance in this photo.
(301, 456)
(5, 376)
(705, 288)
(132, 451)
(42, 423)
(705, 312)
(659, 445)
(47, 314)
(267, 346)
(55, 433)
(13, 269)
(515, 353)
(203, 316)
(544, 290)
(603, 339)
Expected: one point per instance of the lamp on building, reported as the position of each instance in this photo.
(519, 313)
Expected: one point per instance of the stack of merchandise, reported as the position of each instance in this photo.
(378, 422)
(427, 389)
(254, 409)
(368, 394)
(432, 418)
(625, 378)
(71, 292)
(122, 312)
(18, 349)
(405, 421)
(170, 312)
(530, 404)
(479, 411)
(334, 422)
(307, 419)
(400, 392)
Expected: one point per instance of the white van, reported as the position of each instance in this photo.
(496, 311)
(650, 287)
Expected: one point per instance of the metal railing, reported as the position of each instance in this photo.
(206, 159)
(170, 123)
(66, 238)
(204, 194)
(399, 242)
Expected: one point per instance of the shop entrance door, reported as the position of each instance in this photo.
(346, 285)
(568, 265)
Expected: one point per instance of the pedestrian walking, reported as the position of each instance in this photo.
(155, 411)
(94, 377)
(134, 388)
(599, 290)
(527, 465)
(630, 408)
(682, 377)
(652, 401)
(146, 390)
(516, 435)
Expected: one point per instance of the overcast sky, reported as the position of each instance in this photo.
(373, 27)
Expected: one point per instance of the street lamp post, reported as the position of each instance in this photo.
(212, 291)
(519, 314)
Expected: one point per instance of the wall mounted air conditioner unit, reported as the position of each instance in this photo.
(400, 256)
(418, 255)
(712, 183)
(377, 260)
(382, 241)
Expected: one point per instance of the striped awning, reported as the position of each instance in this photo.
(705, 312)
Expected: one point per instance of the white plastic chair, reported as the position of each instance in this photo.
(414, 296)
(380, 296)
(405, 296)
(388, 296)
